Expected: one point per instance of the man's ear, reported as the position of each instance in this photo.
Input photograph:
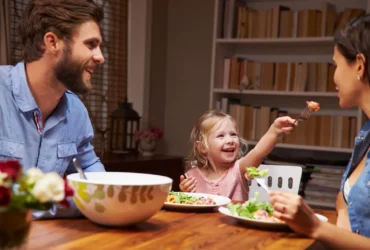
(200, 146)
(52, 43)
(360, 65)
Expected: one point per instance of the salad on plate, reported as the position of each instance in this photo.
(254, 209)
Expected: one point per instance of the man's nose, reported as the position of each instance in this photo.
(98, 56)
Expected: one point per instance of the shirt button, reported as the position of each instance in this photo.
(350, 204)
(360, 137)
(357, 231)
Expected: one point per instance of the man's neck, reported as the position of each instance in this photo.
(45, 88)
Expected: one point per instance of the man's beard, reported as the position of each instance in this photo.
(69, 73)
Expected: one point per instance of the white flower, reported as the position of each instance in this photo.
(49, 188)
(33, 175)
(3, 176)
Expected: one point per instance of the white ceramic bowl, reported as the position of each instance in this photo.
(119, 198)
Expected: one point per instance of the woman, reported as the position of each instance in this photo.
(292, 209)
(351, 77)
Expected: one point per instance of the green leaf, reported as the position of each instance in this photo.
(84, 196)
(78, 203)
(254, 172)
(98, 194)
(99, 207)
(110, 191)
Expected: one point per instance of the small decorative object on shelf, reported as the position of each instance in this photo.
(125, 122)
(22, 192)
(147, 139)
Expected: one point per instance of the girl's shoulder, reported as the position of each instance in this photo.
(193, 170)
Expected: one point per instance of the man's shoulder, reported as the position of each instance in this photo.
(75, 103)
(5, 76)
(5, 73)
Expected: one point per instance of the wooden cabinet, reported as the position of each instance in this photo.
(171, 166)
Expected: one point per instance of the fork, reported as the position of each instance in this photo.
(262, 182)
(305, 114)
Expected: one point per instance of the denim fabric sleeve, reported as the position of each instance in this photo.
(85, 151)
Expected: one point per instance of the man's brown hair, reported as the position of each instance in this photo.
(61, 17)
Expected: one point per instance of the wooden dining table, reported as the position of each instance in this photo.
(167, 230)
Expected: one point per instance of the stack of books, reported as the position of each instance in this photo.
(322, 188)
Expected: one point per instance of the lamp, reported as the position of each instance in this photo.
(124, 123)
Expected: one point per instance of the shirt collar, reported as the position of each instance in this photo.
(23, 95)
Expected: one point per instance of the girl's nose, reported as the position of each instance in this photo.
(229, 140)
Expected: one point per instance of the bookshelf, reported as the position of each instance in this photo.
(300, 52)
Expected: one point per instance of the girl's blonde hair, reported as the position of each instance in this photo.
(200, 133)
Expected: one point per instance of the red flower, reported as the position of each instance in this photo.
(68, 191)
(12, 168)
(4, 196)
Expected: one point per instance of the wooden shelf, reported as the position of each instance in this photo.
(283, 46)
(306, 147)
(275, 93)
(316, 51)
(273, 41)
(321, 204)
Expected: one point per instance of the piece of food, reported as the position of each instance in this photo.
(314, 106)
(181, 198)
(254, 172)
(254, 209)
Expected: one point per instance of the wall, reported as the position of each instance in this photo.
(172, 91)
(189, 39)
(158, 66)
(139, 55)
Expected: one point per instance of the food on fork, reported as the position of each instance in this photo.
(254, 172)
(314, 106)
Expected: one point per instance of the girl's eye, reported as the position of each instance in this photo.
(234, 134)
(220, 136)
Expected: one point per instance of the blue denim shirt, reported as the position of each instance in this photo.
(359, 196)
(67, 132)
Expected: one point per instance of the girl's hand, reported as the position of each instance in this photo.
(292, 209)
(188, 184)
(284, 124)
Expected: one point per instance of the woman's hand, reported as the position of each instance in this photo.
(188, 184)
(292, 209)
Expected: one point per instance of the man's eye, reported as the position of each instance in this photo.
(91, 45)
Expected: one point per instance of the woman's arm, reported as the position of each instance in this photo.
(340, 238)
(292, 209)
(342, 211)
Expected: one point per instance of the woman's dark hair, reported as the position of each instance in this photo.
(61, 17)
(354, 39)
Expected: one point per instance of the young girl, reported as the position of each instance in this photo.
(216, 157)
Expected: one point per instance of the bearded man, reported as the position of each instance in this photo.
(43, 123)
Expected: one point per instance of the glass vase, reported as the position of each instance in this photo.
(14, 229)
(147, 148)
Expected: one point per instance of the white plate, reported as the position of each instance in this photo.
(220, 201)
(260, 223)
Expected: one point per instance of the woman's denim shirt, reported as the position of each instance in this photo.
(359, 196)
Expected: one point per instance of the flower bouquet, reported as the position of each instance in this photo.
(147, 139)
(22, 192)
